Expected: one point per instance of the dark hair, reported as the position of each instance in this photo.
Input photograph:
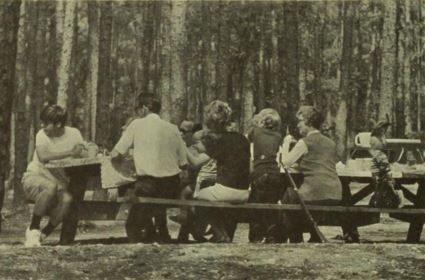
(197, 127)
(151, 102)
(53, 114)
(209, 140)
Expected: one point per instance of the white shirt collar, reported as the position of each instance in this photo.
(152, 115)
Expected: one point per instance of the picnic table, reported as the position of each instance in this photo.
(80, 170)
(409, 175)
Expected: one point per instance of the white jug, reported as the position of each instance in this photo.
(362, 139)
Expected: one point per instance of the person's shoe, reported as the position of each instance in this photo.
(180, 219)
(352, 237)
(222, 239)
(32, 238)
(163, 238)
(43, 237)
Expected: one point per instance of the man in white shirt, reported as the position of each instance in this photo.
(159, 153)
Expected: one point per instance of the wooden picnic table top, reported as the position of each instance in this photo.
(344, 172)
(74, 162)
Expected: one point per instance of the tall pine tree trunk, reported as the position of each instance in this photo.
(291, 60)
(104, 83)
(93, 68)
(9, 24)
(346, 65)
(389, 62)
(173, 89)
(25, 71)
(66, 51)
(408, 38)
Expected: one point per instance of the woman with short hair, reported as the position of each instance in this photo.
(316, 156)
(231, 151)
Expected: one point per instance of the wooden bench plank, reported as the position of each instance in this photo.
(265, 206)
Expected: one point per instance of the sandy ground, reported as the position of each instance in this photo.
(100, 253)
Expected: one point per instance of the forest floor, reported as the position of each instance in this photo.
(101, 253)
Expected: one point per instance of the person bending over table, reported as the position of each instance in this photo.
(316, 156)
(231, 151)
(48, 188)
(159, 154)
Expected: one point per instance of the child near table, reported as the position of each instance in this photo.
(206, 169)
(384, 195)
(48, 188)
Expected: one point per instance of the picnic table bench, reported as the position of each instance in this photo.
(99, 207)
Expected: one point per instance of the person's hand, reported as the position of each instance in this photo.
(77, 150)
(289, 139)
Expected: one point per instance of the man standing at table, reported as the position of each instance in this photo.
(159, 152)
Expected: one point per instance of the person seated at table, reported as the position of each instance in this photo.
(159, 154)
(384, 194)
(48, 188)
(265, 177)
(316, 156)
(206, 173)
(188, 175)
(231, 151)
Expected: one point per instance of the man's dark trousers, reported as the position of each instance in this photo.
(141, 215)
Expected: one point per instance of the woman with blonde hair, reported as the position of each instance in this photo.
(231, 151)
(265, 178)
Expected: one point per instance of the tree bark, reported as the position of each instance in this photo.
(9, 24)
(25, 71)
(172, 89)
(388, 65)
(291, 60)
(104, 84)
(408, 37)
(346, 65)
(93, 68)
(66, 51)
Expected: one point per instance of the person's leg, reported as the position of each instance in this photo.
(182, 217)
(219, 192)
(167, 187)
(140, 215)
(134, 224)
(256, 232)
(43, 192)
(58, 213)
(273, 191)
(289, 220)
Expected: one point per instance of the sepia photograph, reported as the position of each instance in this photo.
(212, 139)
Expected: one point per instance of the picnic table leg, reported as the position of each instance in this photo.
(77, 188)
(415, 228)
(349, 231)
